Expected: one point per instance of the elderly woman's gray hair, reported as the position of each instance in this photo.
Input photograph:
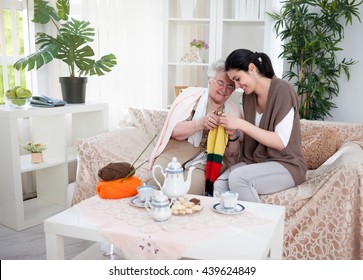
(215, 67)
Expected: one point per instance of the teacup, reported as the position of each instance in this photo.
(228, 200)
(146, 192)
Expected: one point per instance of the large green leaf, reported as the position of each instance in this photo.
(43, 40)
(38, 59)
(79, 28)
(63, 9)
(104, 64)
(73, 45)
(43, 12)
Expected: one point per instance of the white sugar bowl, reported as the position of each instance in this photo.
(159, 207)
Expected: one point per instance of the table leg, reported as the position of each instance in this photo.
(54, 245)
(277, 244)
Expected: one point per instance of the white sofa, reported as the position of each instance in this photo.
(324, 215)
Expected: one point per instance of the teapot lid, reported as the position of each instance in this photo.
(174, 165)
(160, 197)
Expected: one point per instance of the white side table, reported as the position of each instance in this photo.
(265, 242)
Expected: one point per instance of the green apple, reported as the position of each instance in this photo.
(20, 92)
(10, 94)
(15, 88)
(28, 93)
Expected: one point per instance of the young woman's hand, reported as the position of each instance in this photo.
(230, 123)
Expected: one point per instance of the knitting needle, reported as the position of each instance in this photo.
(144, 150)
(133, 171)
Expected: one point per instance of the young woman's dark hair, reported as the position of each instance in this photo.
(241, 58)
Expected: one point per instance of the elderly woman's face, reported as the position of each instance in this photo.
(221, 87)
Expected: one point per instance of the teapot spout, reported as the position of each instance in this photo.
(189, 178)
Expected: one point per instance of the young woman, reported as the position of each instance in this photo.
(271, 156)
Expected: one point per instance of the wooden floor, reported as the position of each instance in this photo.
(29, 244)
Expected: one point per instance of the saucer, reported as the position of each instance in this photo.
(238, 209)
(135, 201)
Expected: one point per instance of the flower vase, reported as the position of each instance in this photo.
(37, 157)
(195, 56)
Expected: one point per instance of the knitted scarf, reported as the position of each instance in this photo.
(216, 145)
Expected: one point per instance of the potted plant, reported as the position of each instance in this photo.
(311, 32)
(70, 45)
(36, 150)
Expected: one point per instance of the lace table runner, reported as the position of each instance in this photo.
(134, 232)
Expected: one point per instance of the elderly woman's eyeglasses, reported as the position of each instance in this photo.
(228, 88)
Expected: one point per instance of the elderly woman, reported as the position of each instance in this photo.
(192, 115)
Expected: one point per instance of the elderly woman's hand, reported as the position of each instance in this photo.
(210, 121)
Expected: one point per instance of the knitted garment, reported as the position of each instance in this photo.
(216, 145)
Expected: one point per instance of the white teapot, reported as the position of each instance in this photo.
(159, 207)
(174, 185)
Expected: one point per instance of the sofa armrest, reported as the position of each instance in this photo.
(121, 145)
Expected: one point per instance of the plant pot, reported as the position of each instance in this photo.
(37, 157)
(73, 89)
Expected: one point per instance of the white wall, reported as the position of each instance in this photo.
(350, 99)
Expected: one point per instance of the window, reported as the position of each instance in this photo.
(13, 43)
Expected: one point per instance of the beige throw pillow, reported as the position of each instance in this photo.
(318, 145)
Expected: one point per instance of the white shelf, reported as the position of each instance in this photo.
(224, 24)
(60, 128)
(27, 166)
(207, 20)
(187, 64)
(245, 21)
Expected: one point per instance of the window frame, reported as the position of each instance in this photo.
(24, 78)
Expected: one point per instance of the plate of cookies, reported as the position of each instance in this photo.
(184, 206)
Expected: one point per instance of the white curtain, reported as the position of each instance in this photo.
(132, 30)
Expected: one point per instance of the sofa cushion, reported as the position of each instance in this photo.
(148, 120)
(318, 145)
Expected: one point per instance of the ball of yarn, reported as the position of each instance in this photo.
(116, 170)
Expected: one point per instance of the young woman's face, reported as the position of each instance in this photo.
(243, 80)
(220, 87)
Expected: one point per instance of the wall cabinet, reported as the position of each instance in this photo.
(224, 24)
(59, 128)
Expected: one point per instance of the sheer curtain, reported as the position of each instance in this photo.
(132, 30)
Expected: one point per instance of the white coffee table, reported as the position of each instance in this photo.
(261, 242)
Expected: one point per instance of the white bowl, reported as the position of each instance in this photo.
(17, 103)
